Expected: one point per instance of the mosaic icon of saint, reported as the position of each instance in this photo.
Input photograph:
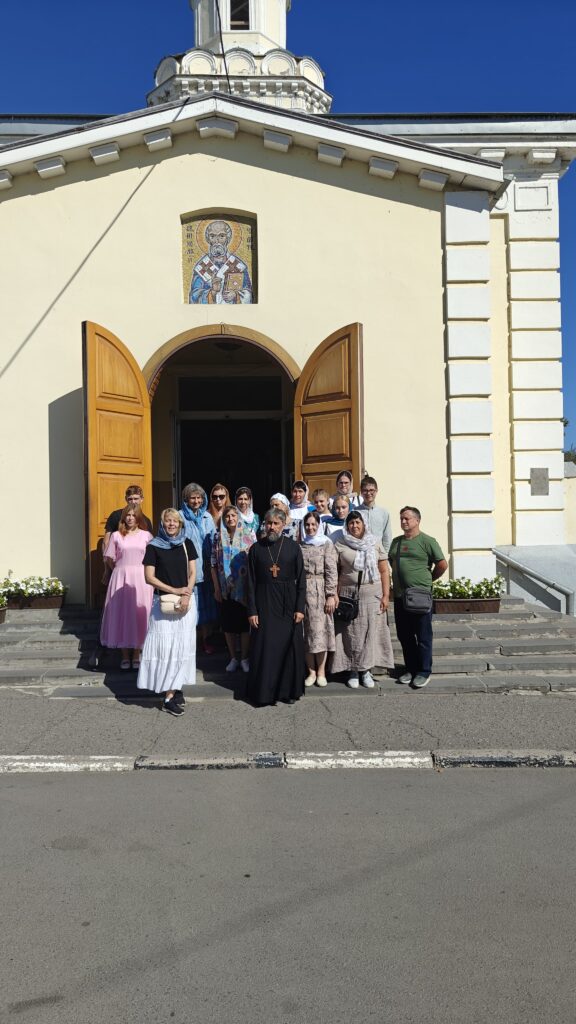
(220, 276)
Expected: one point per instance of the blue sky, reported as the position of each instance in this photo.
(70, 57)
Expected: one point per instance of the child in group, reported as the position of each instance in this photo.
(321, 500)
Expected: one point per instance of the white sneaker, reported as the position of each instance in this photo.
(245, 665)
(321, 681)
(420, 680)
(405, 678)
(353, 682)
(366, 680)
(310, 679)
(232, 665)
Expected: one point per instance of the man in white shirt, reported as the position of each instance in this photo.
(377, 519)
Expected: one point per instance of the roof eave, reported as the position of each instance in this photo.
(304, 130)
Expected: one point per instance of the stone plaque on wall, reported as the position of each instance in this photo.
(219, 259)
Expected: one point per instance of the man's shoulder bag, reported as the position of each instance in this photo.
(347, 609)
(417, 600)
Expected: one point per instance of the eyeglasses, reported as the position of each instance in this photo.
(368, 490)
(218, 497)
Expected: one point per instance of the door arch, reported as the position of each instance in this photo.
(154, 365)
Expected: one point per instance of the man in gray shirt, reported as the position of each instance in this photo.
(377, 519)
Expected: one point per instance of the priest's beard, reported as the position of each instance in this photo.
(272, 537)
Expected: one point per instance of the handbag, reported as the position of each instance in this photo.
(416, 600)
(170, 603)
(347, 609)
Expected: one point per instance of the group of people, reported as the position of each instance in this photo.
(298, 596)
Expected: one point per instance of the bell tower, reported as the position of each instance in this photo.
(241, 50)
(254, 25)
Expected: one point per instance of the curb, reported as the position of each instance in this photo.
(297, 760)
(195, 764)
(504, 758)
(21, 763)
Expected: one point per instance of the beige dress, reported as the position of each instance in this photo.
(321, 582)
(365, 642)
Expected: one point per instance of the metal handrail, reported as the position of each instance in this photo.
(532, 574)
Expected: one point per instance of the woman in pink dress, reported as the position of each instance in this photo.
(129, 598)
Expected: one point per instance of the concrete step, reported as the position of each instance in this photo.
(534, 663)
(49, 629)
(29, 658)
(538, 645)
(513, 615)
(519, 629)
(38, 642)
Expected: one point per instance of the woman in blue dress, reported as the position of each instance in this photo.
(200, 530)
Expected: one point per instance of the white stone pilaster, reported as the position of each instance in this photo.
(535, 351)
(469, 383)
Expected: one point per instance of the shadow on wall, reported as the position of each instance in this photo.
(67, 489)
(530, 590)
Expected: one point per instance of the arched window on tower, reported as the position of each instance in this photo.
(239, 14)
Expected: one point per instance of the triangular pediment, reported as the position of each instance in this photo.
(104, 142)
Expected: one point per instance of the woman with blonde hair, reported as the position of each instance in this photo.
(219, 499)
(168, 660)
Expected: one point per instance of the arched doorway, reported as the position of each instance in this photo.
(223, 410)
(215, 401)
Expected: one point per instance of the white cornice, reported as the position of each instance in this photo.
(140, 127)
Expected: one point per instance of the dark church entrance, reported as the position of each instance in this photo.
(223, 412)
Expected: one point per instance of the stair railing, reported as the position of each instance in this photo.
(524, 570)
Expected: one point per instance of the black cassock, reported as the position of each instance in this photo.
(277, 663)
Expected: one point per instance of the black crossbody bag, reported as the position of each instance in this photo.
(347, 609)
(417, 600)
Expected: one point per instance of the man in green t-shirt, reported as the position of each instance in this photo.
(416, 559)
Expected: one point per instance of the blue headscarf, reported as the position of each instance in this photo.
(198, 519)
(162, 540)
(192, 531)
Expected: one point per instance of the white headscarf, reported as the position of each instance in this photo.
(365, 548)
(280, 497)
(319, 537)
(247, 517)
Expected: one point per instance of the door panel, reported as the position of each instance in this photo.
(117, 438)
(328, 411)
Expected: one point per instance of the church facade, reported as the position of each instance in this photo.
(235, 284)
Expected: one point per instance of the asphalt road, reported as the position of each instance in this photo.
(277, 897)
(33, 724)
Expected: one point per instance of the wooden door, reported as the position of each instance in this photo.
(117, 439)
(328, 411)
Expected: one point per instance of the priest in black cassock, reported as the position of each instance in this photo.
(276, 599)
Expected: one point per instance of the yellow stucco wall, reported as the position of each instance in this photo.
(104, 244)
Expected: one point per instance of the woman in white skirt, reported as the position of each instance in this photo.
(168, 659)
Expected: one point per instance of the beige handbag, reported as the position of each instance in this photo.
(170, 603)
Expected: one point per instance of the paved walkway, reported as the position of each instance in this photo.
(407, 720)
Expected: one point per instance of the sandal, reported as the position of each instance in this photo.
(136, 663)
(125, 664)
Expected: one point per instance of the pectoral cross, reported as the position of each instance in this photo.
(274, 569)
